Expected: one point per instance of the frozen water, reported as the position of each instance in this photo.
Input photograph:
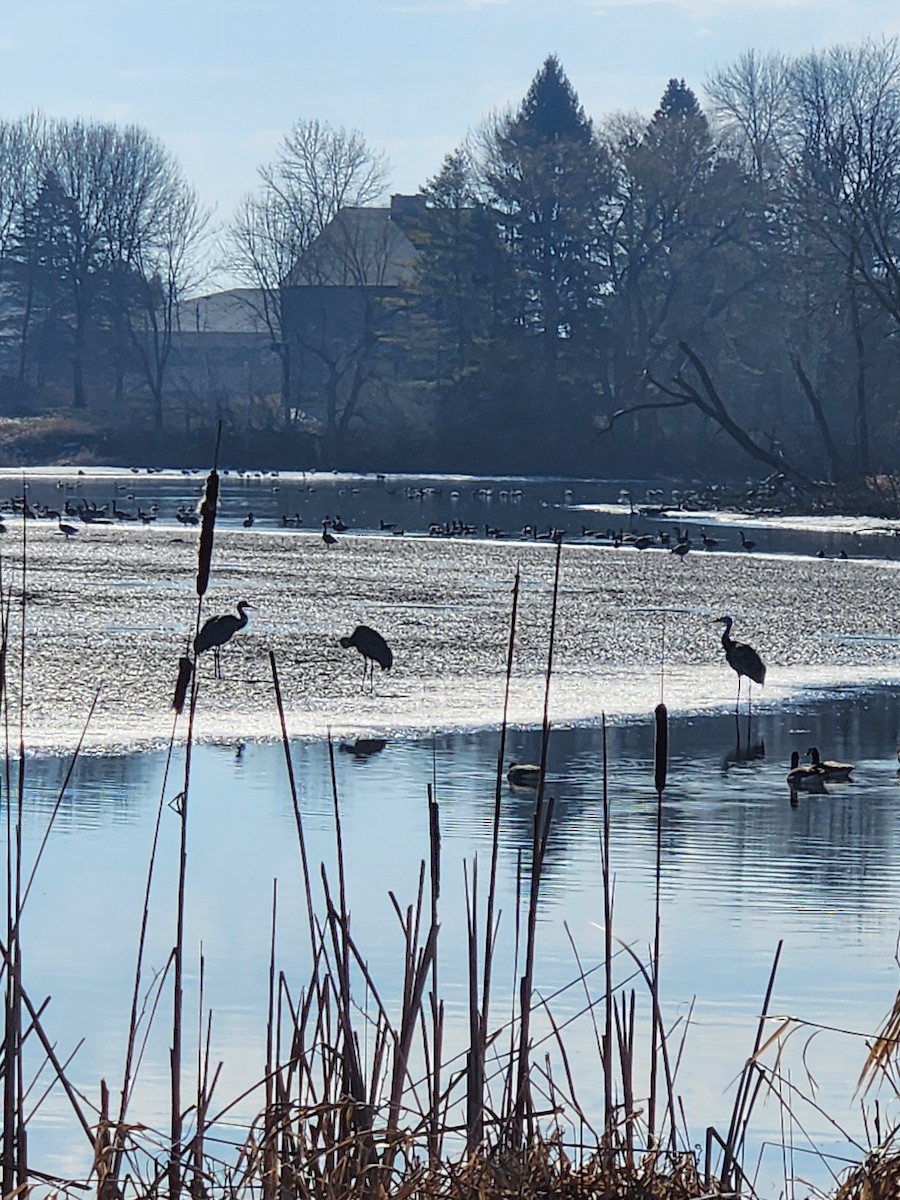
(110, 611)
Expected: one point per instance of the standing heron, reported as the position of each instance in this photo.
(215, 632)
(372, 647)
(741, 658)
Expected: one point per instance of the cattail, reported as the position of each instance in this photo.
(185, 671)
(208, 522)
(660, 748)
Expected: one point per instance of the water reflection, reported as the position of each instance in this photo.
(742, 867)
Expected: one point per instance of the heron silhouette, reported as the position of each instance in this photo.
(215, 632)
(373, 648)
(741, 658)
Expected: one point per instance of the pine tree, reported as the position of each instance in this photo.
(545, 173)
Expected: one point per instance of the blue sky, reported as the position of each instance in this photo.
(221, 81)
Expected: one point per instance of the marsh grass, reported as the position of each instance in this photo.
(359, 1097)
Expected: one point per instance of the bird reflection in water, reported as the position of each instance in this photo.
(745, 750)
(363, 747)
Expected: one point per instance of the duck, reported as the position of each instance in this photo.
(831, 769)
(808, 778)
(523, 774)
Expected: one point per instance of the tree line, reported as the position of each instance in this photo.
(708, 291)
(100, 236)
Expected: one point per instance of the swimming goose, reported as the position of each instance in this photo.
(832, 770)
(808, 778)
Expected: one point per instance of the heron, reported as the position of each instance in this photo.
(215, 632)
(830, 769)
(741, 658)
(373, 648)
(524, 775)
(807, 778)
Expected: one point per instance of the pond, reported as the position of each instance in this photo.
(742, 868)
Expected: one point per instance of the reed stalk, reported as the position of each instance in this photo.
(204, 561)
(543, 814)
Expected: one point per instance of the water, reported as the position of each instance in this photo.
(742, 869)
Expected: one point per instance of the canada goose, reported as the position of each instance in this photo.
(523, 774)
(808, 778)
(832, 770)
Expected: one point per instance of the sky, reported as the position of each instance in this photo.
(220, 82)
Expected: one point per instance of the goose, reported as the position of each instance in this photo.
(807, 778)
(831, 770)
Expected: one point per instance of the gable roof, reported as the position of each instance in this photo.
(359, 247)
(234, 311)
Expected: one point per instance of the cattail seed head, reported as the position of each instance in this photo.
(660, 748)
(185, 671)
(207, 526)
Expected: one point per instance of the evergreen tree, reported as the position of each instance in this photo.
(545, 175)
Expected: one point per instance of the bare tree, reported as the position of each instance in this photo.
(165, 269)
(317, 172)
(22, 151)
(750, 103)
(844, 188)
(263, 244)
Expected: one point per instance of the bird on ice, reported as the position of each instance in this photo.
(218, 630)
(741, 658)
(373, 648)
